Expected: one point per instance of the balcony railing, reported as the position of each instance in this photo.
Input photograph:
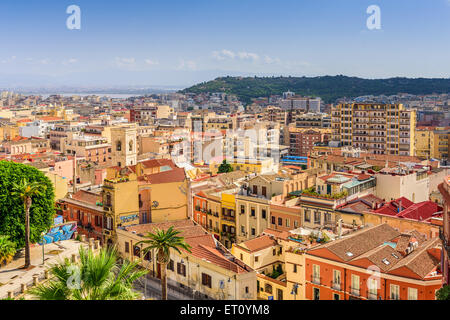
(336, 286)
(372, 295)
(315, 279)
(355, 291)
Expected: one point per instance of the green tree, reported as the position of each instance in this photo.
(26, 191)
(443, 293)
(7, 250)
(12, 213)
(94, 277)
(225, 167)
(162, 241)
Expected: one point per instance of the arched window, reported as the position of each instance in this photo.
(131, 145)
(119, 146)
(108, 199)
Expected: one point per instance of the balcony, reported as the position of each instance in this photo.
(372, 295)
(315, 279)
(229, 218)
(336, 286)
(355, 291)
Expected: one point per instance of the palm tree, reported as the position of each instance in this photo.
(95, 277)
(162, 241)
(26, 190)
(7, 250)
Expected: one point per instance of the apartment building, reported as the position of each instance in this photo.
(377, 263)
(378, 128)
(301, 140)
(432, 143)
(444, 233)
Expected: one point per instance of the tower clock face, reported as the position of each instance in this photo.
(155, 204)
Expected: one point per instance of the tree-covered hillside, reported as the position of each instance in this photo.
(329, 88)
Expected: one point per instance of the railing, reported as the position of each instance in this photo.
(315, 279)
(229, 218)
(336, 286)
(355, 291)
(372, 295)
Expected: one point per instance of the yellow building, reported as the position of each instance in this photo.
(208, 271)
(258, 166)
(121, 205)
(439, 144)
(228, 218)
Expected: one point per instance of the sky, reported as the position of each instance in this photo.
(180, 43)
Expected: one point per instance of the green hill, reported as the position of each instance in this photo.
(329, 88)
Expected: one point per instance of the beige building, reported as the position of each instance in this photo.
(210, 270)
(377, 128)
(124, 146)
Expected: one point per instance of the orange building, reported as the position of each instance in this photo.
(200, 209)
(444, 233)
(87, 209)
(377, 263)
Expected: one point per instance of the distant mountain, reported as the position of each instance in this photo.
(329, 88)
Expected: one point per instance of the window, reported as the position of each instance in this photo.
(280, 221)
(317, 217)
(274, 252)
(336, 296)
(137, 251)
(288, 223)
(263, 214)
(256, 258)
(181, 269)
(253, 212)
(242, 257)
(273, 220)
(316, 274)
(255, 189)
(127, 247)
(264, 191)
(412, 294)
(119, 146)
(253, 232)
(316, 294)
(294, 268)
(307, 216)
(268, 288)
(206, 280)
(242, 209)
(395, 292)
(279, 294)
(355, 285)
(336, 279)
(373, 288)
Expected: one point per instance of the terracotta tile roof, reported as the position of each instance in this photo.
(175, 175)
(158, 163)
(420, 261)
(259, 243)
(216, 257)
(284, 235)
(360, 242)
(88, 197)
(203, 245)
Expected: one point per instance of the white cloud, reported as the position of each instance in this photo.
(248, 56)
(187, 65)
(124, 62)
(151, 62)
(245, 56)
(69, 61)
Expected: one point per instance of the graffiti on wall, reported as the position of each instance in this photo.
(60, 232)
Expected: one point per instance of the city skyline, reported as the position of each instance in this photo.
(176, 43)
